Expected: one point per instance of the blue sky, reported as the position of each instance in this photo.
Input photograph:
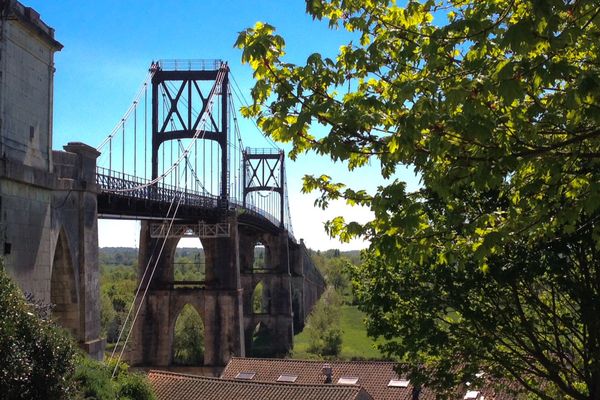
(110, 44)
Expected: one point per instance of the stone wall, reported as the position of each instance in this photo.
(27, 47)
(48, 206)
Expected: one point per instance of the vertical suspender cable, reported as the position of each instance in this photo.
(163, 143)
(145, 130)
(186, 174)
(220, 152)
(171, 143)
(211, 167)
(123, 163)
(204, 163)
(110, 156)
(135, 140)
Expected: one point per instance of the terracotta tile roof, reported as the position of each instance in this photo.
(374, 376)
(173, 386)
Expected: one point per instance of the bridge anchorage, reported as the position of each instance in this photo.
(200, 181)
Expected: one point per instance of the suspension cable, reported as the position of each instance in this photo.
(138, 290)
(128, 112)
(147, 285)
(210, 102)
(194, 173)
(240, 95)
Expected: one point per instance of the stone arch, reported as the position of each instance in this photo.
(188, 344)
(259, 256)
(260, 302)
(64, 293)
(265, 241)
(260, 340)
(189, 261)
(297, 310)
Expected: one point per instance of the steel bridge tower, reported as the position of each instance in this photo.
(187, 123)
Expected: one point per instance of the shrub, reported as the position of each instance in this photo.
(323, 325)
(136, 387)
(94, 380)
(36, 357)
(38, 360)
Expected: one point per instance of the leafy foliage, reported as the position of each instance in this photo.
(38, 360)
(492, 264)
(323, 325)
(189, 338)
(36, 357)
(117, 289)
(335, 266)
(260, 300)
(94, 380)
(356, 345)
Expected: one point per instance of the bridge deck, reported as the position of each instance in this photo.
(129, 197)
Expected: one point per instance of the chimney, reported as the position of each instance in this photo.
(328, 372)
(416, 392)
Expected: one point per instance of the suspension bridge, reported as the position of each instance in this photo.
(176, 160)
(181, 137)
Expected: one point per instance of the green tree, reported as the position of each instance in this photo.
(36, 357)
(117, 288)
(491, 265)
(189, 337)
(323, 325)
(260, 300)
(94, 380)
(107, 313)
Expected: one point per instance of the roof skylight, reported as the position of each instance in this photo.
(347, 380)
(245, 375)
(287, 378)
(399, 383)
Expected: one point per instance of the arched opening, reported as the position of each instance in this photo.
(63, 288)
(261, 341)
(296, 304)
(189, 263)
(188, 338)
(260, 299)
(260, 257)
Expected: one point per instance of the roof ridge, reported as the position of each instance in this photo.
(180, 374)
(317, 361)
(253, 382)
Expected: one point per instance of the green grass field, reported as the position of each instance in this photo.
(355, 343)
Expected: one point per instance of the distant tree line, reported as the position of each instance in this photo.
(323, 323)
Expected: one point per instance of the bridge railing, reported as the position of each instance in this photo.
(134, 187)
(188, 65)
(252, 209)
(126, 185)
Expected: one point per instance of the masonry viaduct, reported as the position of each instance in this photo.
(225, 299)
